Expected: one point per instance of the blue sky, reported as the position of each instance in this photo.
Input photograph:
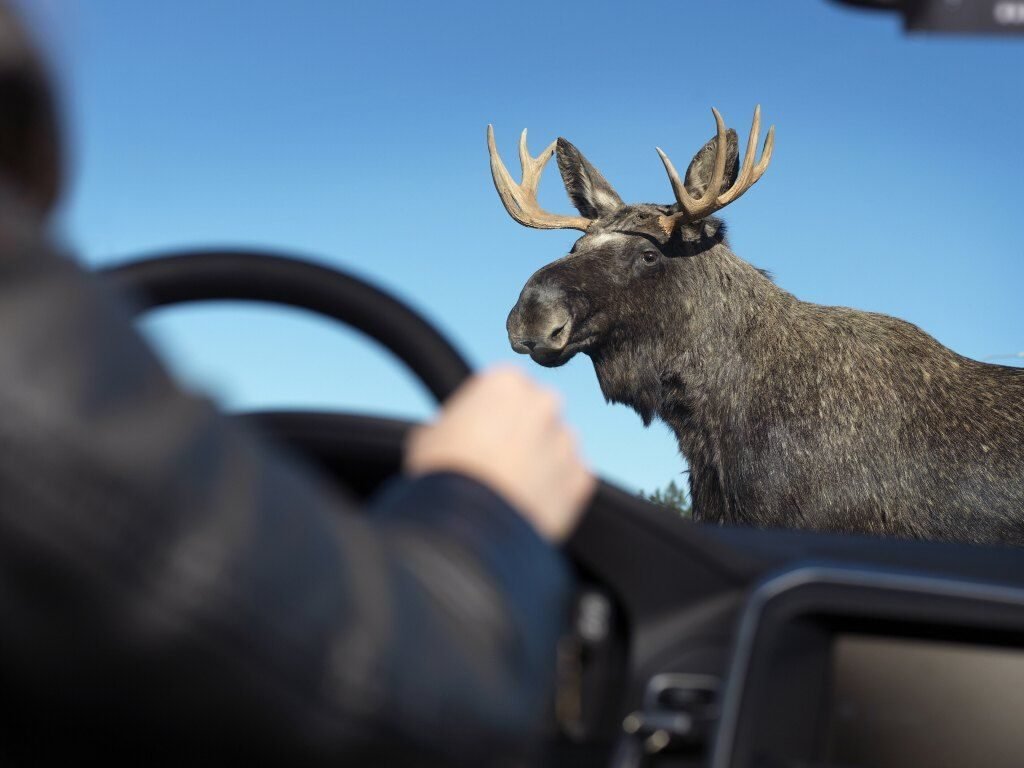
(354, 133)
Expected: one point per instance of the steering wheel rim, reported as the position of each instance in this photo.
(189, 276)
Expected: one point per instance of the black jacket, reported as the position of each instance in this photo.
(171, 586)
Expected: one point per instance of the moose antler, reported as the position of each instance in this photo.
(521, 199)
(711, 201)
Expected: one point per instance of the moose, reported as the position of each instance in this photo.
(790, 414)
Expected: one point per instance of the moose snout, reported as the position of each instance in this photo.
(551, 338)
(539, 323)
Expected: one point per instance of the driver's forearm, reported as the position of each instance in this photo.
(491, 601)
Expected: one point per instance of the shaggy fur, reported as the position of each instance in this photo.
(789, 413)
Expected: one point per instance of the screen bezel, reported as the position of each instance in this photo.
(776, 694)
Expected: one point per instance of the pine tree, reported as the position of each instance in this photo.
(671, 496)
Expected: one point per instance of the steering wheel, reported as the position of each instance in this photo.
(190, 276)
(360, 452)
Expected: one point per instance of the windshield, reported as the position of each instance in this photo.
(356, 133)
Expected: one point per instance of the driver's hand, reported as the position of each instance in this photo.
(504, 430)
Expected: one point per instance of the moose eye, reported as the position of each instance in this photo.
(650, 257)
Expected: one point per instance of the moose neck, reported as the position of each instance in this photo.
(718, 320)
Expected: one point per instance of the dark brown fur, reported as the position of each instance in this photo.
(789, 413)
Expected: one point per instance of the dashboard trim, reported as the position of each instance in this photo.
(781, 583)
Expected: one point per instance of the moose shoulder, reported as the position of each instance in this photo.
(789, 413)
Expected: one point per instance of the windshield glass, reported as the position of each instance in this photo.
(355, 133)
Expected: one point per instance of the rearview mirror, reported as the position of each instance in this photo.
(970, 17)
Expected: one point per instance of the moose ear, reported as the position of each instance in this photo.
(702, 167)
(588, 190)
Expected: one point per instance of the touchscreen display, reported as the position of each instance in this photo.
(898, 703)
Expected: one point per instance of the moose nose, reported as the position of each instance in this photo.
(540, 322)
(552, 336)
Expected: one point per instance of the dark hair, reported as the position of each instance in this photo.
(30, 147)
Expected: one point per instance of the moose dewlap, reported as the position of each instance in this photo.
(789, 413)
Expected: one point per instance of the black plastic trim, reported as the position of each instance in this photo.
(786, 583)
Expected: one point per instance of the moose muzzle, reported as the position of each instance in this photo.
(540, 324)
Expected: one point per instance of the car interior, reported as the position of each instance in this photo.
(692, 645)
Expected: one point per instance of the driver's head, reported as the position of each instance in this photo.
(30, 150)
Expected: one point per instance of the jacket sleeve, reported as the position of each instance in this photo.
(165, 574)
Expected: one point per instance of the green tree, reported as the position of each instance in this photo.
(672, 496)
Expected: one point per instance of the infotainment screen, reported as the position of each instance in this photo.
(897, 703)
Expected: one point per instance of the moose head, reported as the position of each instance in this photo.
(620, 283)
